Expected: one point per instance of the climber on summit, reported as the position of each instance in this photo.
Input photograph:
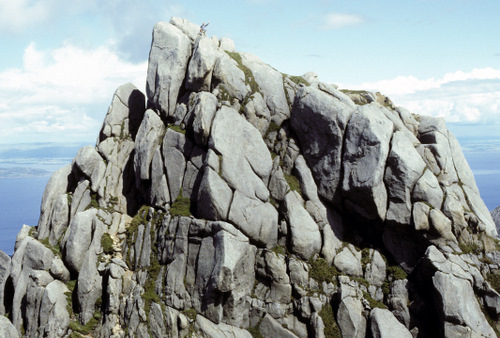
(203, 28)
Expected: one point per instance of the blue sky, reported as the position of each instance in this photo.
(61, 61)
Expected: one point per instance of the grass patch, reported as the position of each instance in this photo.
(279, 250)
(255, 332)
(56, 249)
(396, 272)
(297, 79)
(293, 183)
(249, 78)
(321, 272)
(177, 129)
(494, 280)
(272, 128)
(365, 257)
(190, 313)
(373, 303)
(107, 244)
(181, 206)
(331, 330)
(89, 327)
(386, 288)
(472, 248)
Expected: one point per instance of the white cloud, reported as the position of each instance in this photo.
(61, 92)
(16, 15)
(333, 21)
(458, 97)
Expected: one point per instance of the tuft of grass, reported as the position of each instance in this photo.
(365, 257)
(494, 280)
(331, 330)
(255, 332)
(89, 327)
(190, 313)
(298, 79)
(107, 244)
(293, 183)
(56, 249)
(396, 272)
(471, 248)
(279, 250)
(272, 128)
(249, 78)
(181, 206)
(320, 271)
(177, 129)
(373, 303)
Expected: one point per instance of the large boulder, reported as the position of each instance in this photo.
(319, 119)
(384, 324)
(168, 62)
(124, 114)
(366, 149)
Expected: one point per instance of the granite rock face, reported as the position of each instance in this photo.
(237, 200)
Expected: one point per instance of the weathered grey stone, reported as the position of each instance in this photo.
(495, 214)
(305, 234)
(175, 148)
(375, 271)
(270, 327)
(257, 220)
(350, 318)
(190, 29)
(214, 196)
(29, 257)
(398, 301)
(201, 64)
(384, 324)
(441, 224)
(230, 77)
(124, 114)
(304, 174)
(404, 168)
(452, 310)
(270, 82)
(7, 329)
(209, 329)
(481, 211)
(204, 107)
(427, 189)
(366, 148)
(246, 161)
(420, 216)
(319, 120)
(4, 274)
(160, 194)
(57, 185)
(91, 164)
(89, 279)
(148, 138)
(168, 61)
(81, 198)
(348, 261)
(77, 239)
(227, 44)
(257, 113)
(59, 271)
(278, 187)
(54, 316)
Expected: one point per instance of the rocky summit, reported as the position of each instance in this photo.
(232, 200)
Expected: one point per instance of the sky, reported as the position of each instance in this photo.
(61, 61)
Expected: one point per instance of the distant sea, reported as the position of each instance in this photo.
(26, 169)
